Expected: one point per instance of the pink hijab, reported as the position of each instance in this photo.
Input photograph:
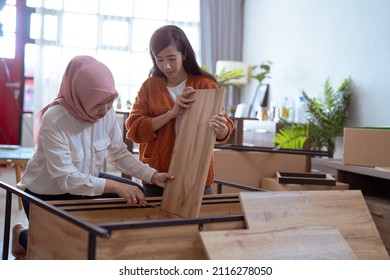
(86, 83)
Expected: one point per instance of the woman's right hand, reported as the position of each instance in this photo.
(132, 194)
(183, 101)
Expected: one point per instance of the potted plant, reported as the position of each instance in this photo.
(264, 70)
(325, 118)
(226, 78)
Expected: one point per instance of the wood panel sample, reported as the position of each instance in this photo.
(345, 210)
(192, 154)
(306, 243)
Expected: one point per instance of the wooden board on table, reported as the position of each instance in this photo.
(192, 154)
(305, 243)
(345, 210)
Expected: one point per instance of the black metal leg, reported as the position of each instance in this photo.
(91, 246)
(7, 224)
(219, 188)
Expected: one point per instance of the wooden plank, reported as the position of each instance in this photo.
(109, 210)
(117, 213)
(192, 155)
(345, 210)
(306, 243)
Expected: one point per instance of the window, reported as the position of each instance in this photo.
(8, 30)
(117, 32)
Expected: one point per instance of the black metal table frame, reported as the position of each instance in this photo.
(104, 230)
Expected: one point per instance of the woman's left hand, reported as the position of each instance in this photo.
(218, 123)
(160, 179)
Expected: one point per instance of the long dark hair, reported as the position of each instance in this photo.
(171, 35)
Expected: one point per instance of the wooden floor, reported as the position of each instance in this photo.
(7, 175)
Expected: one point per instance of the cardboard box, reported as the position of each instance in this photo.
(248, 168)
(271, 184)
(367, 146)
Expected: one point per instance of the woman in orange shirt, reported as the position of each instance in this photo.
(164, 96)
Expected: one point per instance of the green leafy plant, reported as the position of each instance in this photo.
(325, 120)
(226, 78)
(264, 70)
(292, 136)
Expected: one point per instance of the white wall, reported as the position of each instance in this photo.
(310, 40)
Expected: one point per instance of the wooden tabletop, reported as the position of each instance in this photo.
(15, 152)
(16, 156)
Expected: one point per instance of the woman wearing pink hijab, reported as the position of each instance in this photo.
(78, 132)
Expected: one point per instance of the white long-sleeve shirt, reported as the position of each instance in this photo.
(71, 153)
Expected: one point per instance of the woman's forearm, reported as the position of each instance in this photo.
(160, 121)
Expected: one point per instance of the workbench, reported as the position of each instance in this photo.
(250, 225)
(17, 157)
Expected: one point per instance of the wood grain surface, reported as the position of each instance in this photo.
(306, 243)
(51, 237)
(345, 210)
(192, 154)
